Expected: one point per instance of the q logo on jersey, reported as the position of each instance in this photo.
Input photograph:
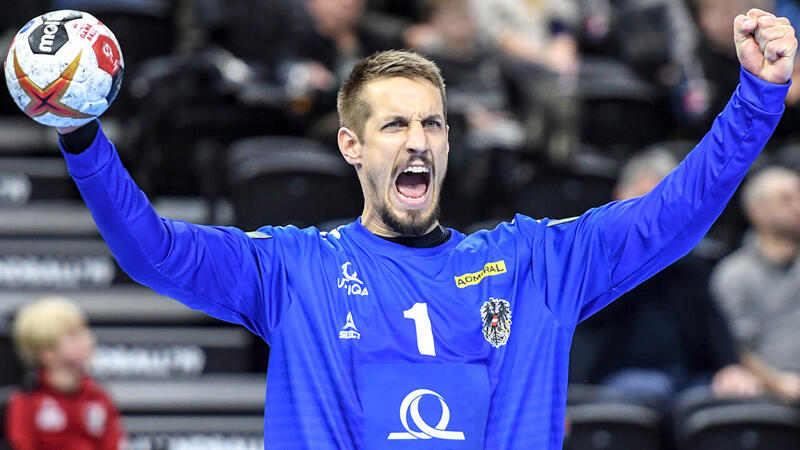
(411, 402)
(349, 281)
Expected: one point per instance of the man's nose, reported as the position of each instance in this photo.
(417, 141)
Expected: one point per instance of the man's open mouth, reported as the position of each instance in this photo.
(412, 183)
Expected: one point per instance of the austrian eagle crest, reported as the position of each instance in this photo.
(496, 315)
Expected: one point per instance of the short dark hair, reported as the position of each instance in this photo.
(354, 111)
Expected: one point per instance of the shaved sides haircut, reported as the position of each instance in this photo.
(354, 110)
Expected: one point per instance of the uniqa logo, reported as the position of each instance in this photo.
(350, 282)
(411, 403)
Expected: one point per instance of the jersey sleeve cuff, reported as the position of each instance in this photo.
(91, 160)
(765, 96)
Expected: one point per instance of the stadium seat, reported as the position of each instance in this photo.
(30, 179)
(613, 425)
(56, 263)
(71, 218)
(283, 180)
(208, 432)
(583, 394)
(170, 352)
(613, 94)
(561, 193)
(38, 219)
(743, 426)
(118, 305)
(22, 136)
(11, 369)
(5, 392)
(705, 421)
(696, 398)
(238, 393)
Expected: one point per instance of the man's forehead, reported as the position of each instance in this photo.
(778, 185)
(403, 96)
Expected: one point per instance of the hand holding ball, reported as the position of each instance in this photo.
(64, 68)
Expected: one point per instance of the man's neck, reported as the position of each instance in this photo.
(431, 239)
(433, 236)
(777, 249)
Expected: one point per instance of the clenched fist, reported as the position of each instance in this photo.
(765, 45)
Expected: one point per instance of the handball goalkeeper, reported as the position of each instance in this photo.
(394, 332)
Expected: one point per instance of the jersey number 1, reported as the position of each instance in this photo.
(419, 314)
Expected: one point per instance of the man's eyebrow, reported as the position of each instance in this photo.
(403, 119)
(395, 118)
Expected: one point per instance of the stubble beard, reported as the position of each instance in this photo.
(415, 222)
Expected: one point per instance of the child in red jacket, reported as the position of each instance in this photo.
(60, 407)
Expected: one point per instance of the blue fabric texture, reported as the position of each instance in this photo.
(463, 345)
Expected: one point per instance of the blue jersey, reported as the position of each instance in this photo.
(464, 345)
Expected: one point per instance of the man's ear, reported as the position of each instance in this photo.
(349, 146)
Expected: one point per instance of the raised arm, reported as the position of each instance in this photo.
(611, 249)
(213, 269)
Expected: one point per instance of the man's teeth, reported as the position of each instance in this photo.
(417, 169)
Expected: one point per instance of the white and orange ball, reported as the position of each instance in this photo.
(64, 68)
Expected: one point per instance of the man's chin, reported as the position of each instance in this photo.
(410, 222)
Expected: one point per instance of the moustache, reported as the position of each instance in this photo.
(423, 159)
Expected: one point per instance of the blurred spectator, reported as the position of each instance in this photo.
(758, 286)
(476, 88)
(656, 38)
(666, 335)
(534, 31)
(535, 40)
(324, 41)
(60, 405)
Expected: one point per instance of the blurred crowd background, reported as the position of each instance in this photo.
(227, 116)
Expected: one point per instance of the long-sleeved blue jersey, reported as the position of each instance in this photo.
(463, 345)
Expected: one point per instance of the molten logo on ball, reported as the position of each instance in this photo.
(48, 99)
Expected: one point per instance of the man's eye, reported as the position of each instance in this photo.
(433, 124)
(393, 124)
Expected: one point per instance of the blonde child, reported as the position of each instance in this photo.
(59, 406)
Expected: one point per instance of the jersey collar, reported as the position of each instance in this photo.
(391, 248)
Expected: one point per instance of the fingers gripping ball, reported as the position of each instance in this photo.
(64, 68)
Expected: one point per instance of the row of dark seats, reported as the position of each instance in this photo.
(700, 420)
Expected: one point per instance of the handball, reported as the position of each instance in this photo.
(64, 68)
